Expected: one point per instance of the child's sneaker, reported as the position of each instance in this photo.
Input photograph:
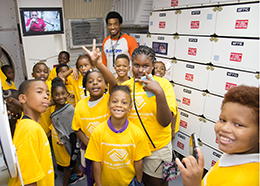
(76, 177)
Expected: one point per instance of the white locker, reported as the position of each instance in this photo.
(191, 74)
(213, 107)
(211, 156)
(142, 39)
(190, 99)
(236, 53)
(221, 79)
(164, 22)
(166, 4)
(194, 48)
(163, 45)
(238, 20)
(199, 21)
(190, 123)
(169, 67)
(208, 135)
(181, 143)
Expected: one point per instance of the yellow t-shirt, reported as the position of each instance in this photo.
(71, 100)
(117, 152)
(86, 118)
(7, 86)
(78, 87)
(2, 76)
(146, 106)
(52, 74)
(34, 154)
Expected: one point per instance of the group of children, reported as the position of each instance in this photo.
(115, 150)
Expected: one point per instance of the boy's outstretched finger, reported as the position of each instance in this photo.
(94, 45)
(86, 50)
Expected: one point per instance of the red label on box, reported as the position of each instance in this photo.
(213, 163)
(186, 101)
(162, 24)
(189, 77)
(174, 2)
(241, 24)
(54, 66)
(183, 124)
(194, 24)
(192, 51)
(216, 140)
(180, 145)
(236, 57)
(138, 44)
(229, 85)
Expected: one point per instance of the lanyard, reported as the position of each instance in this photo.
(114, 48)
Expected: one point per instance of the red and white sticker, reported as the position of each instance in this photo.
(195, 24)
(229, 85)
(174, 3)
(162, 24)
(213, 163)
(180, 145)
(241, 24)
(189, 77)
(183, 124)
(138, 44)
(186, 101)
(235, 57)
(192, 51)
(216, 140)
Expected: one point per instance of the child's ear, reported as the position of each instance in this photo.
(130, 107)
(108, 106)
(22, 98)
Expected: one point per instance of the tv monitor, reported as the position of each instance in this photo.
(41, 21)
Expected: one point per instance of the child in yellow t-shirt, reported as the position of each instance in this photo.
(64, 139)
(92, 110)
(122, 68)
(63, 58)
(117, 146)
(9, 73)
(33, 149)
(237, 132)
(159, 70)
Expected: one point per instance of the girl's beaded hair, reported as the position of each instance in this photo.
(144, 50)
(57, 82)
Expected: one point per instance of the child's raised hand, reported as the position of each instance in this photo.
(192, 174)
(75, 73)
(150, 85)
(62, 77)
(95, 54)
(59, 143)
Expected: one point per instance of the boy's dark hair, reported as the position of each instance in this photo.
(85, 79)
(39, 63)
(4, 68)
(244, 95)
(123, 56)
(144, 50)
(57, 82)
(114, 14)
(124, 88)
(82, 57)
(60, 66)
(24, 87)
(65, 52)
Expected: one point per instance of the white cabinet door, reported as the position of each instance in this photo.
(199, 21)
(238, 20)
(163, 22)
(163, 45)
(142, 39)
(213, 107)
(194, 48)
(211, 156)
(191, 74)
(207, 134)
(236, 53)
(181, 143)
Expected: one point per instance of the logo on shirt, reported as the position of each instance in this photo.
(91, 126)
(117, 154)
(139, 102)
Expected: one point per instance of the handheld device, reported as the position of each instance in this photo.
(193, 146)
(149, 94)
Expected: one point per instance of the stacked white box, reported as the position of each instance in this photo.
(208, 135)
(142, 39)
(213, 107)
(166, 4)
(211, 156)
(181, 143)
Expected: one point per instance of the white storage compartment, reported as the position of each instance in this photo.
(236, 53)
(213, 107)
(181, 143)
(191, 74)
(238, 20)
(208, 135)
(163, 45)
(221, 79)
(142, 39)
(169, 67)
(211, 156)
(194, 48)
(190, 123)
(190, 99)
(199, 21)
(163, 22)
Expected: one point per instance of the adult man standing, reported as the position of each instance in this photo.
(117, 42)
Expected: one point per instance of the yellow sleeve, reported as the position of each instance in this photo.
(6, 86)
(45, 120)
(142, 147)
(76, 120)
(93, 151)
(52, 74)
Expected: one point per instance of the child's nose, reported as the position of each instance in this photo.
(226, 127)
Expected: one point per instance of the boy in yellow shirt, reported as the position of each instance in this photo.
(33, 149)
(122, 68)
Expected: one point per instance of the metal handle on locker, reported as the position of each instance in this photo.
(210, 68)
(257, 76)
(174, 61)
(178, 12)
(148, 35)
(173, 85)
(218, 8)
(151, 13)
